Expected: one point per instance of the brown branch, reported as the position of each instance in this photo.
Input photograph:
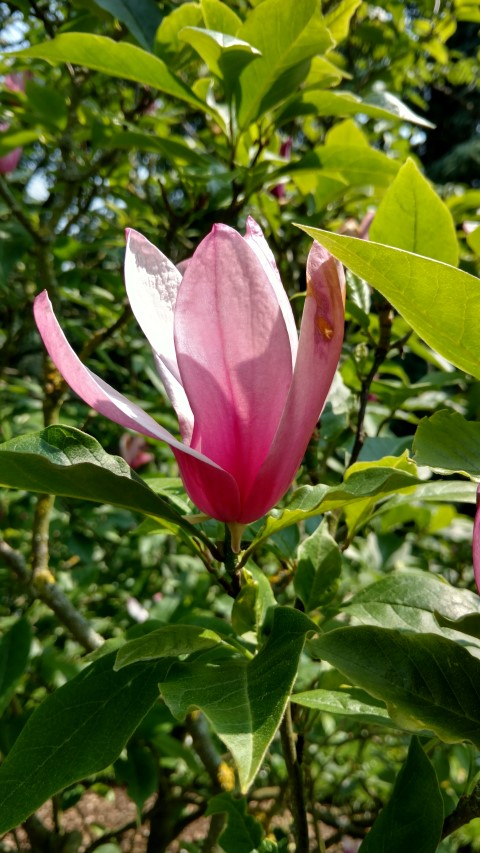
(381, 352)
(43, 587)
(467, 808)
(295, 776)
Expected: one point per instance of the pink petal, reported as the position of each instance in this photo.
(476, 542)
(10, 161)
(320, 345)
(233, 353)
(152, 283)
(209, 487)
(256, 240)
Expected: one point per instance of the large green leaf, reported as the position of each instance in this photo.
(413, 817)
(288, 34)
(118, 59)
(426, 681)
(76, 731)
(338, 18)
(14, 653)
(242, 833)
(141, 17)
(414, 601)
(441, 303)
(64, 461)
(244, 701)
(448, 443)
(411, 216)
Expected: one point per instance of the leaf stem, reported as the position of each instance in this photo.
(295, 775)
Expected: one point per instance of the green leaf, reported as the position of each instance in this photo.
(76, 731)
(168, 641)
(426, 681)
(288, 34)
(413, 817)
(414, 601)
(411, 216)
(218, 16)
(364, 479)
(174, 149)
(344, 703)
(18, 139)
(14, 654)
(141, 17)
(118, 59)
(440, 302)
(355, 165)
(219, 51)
(63, 461)
(448, 443)
(243, 833)
(244, 701)
(338, 19)
(342, 103)
(139, 771)
(253, 602)
(319, 567)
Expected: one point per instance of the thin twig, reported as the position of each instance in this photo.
(467, 808)
(18, 212)
(295, 775)
(49, 592)
(381, 352)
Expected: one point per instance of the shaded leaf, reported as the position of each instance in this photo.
(141, 17)
(413, 817)
(426, 681)
(76, 731)
(243, 833)
(14, 654)
(448, 443)
(64, 461)
(319, 567)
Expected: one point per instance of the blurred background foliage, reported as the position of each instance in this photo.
(314, 132)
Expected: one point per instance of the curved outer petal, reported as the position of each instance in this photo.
(320, 345)
(256, 240)
(476, 542)
(233, 353)
(208, 485)
(152, 283)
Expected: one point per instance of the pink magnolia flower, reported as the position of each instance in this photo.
(9, 162)
(134, 450)
(246, 390)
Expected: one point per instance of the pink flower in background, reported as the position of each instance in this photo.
(134, 450)
(9, 162)
(246, 390)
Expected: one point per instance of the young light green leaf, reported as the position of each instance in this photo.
(253, 601)
(440, 302)
(411, 216)
(220, 17)
(364, 479)
(288, 34)
(168, 641)
(244, 701)
(342, 103)
(76, 731)
(14, 653)
(413, 817)
(223, 54)
(426, 681)
(319, 567)
(449, 444)
(338, 18)
(141, 17)
(64, 461)
(118, 59)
